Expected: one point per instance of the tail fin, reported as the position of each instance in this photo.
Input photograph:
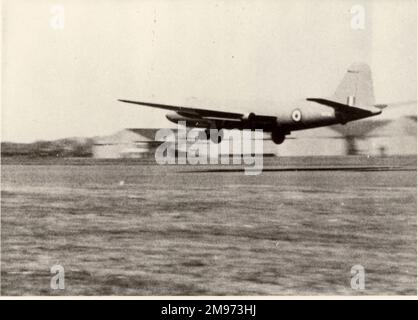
(356, 89)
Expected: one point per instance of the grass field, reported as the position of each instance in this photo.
(119, 228)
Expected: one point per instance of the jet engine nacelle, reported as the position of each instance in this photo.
(248, 119)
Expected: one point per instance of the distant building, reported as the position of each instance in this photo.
(127, 143)
(141, 143)
(374, 137)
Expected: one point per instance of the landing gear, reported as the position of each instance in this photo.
(277, 137)
(216, 136)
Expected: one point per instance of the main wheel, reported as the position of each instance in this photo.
(215, 138)
(277, 137)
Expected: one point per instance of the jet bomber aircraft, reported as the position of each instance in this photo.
(353, 100)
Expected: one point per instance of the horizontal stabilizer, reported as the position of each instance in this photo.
(346, 108)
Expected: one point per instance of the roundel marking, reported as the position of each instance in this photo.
(296, 115)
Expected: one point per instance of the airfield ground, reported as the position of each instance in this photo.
(123, 228)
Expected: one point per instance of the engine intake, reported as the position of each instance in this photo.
(249, 117)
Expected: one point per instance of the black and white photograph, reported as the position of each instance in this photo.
(208, 148)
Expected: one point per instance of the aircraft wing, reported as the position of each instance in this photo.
(189, 111)
(211, 118)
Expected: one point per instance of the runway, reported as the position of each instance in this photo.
(134, 228)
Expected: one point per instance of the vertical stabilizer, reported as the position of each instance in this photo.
(356, 88)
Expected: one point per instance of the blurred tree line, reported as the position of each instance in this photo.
(59, 148)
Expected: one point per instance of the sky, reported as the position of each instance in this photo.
(62, 77)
